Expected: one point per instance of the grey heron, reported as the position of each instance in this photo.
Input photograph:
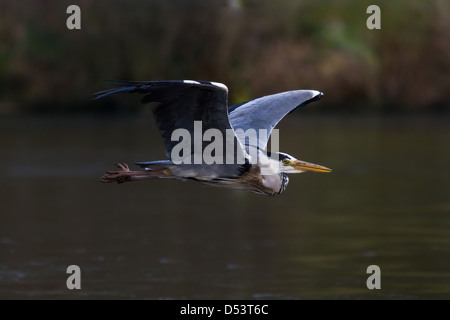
(190, 105)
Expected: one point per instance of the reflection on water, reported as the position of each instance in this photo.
(387, 203)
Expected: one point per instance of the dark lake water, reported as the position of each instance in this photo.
(387, 203)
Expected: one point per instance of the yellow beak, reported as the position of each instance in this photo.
(306, 166)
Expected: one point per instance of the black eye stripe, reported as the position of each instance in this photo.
(284, 156)
(281, 156)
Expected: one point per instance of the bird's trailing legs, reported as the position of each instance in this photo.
(125, 174)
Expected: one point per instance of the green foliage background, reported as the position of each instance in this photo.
(256, 47)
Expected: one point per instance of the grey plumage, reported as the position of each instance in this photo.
(178, 104)
(266, 112)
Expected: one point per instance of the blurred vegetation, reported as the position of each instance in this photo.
(256, 47)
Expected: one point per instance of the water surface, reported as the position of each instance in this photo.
(387, 203)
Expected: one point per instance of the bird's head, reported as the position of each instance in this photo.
(289, 164)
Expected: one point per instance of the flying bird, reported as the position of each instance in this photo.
(210, 142)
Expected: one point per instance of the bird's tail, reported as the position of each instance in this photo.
(155, 165)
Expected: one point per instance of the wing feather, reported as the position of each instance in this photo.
(178, 104)
(266, 112)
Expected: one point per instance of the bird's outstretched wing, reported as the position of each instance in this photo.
(266, 112)
(195, 106)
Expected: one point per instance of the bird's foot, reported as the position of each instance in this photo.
(120, 176)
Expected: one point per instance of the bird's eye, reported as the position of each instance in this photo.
(285, 161)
